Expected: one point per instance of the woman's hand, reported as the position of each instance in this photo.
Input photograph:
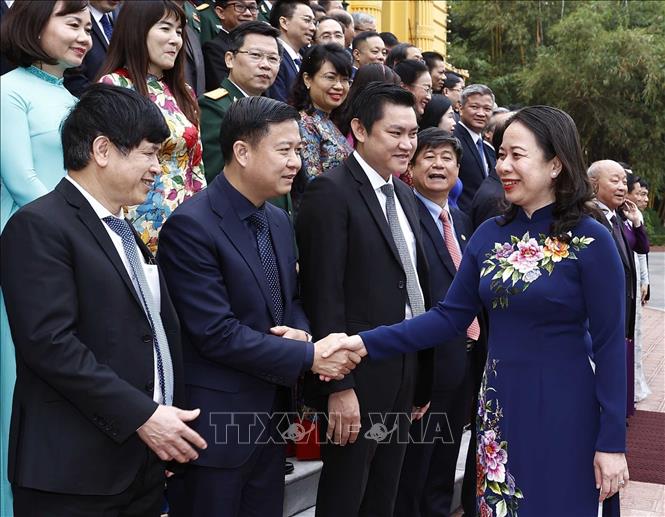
(611, 472)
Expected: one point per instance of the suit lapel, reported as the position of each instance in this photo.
(96, 228)
(369, 196)
(462, 233)
(471, 147)
(434, 235)
(97, 31)
(282, 244)
(237, 234)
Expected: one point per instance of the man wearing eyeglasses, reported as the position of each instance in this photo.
(253, 61)
(231, 13)
(296, 24)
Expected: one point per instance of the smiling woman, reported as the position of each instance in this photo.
(43, 39)
(146, 54)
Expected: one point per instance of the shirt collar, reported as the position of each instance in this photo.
(96, 13)
(473, 134)
(374, 177)
(433, 208)
(99, 209)
(606, 210)
(290, 50)
(242, 206)
(239, 88)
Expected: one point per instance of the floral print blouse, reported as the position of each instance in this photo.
(180, 158)
(324, 147)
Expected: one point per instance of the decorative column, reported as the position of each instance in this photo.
(423, 25)
(371, 7)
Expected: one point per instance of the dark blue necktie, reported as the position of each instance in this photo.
(107, 26)
(481, 154)
(259, 222)
(159, 340)
(298, 62)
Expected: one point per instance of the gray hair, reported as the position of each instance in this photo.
(362, 18)
(475, 89)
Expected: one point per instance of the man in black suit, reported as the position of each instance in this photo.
(103, 13)
(99, 366)
(228, 257)
(428, 473)
(231, 14)
(362, 265)
(478, 158)
(296, 24)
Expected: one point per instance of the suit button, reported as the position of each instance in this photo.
(150, 387)
(147, 338)
(400, 284)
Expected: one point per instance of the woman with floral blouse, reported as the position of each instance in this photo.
(322, 85)
(145, 55)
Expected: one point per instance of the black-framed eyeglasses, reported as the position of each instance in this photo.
(241, 8)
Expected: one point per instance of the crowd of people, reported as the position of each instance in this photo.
(216, 213)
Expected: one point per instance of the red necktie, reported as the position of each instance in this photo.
(473, 332)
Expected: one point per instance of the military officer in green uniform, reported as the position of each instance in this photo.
(253, 63)
(264, 10)
(210, 22)
(192, 14)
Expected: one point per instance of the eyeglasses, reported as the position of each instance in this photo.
(334, 79)
(427, 89)
(241, 8)
(256, 57)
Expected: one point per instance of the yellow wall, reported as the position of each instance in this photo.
(421, 22)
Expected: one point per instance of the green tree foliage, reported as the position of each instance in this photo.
(603, 62)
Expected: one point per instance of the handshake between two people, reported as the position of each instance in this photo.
(334, 356)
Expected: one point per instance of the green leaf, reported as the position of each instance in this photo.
(515, 276)
(501, 510)
(518, 494)
(178, 180)
(507, 273)
(494, 487)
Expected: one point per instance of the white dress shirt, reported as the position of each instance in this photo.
(377, 182)
(291, 52)
(150, 270)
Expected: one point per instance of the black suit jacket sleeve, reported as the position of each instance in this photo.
(215, 64)
(42, 305)
(323, 262)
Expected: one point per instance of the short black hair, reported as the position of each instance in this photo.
(314, 59)
(284, 8)
(342, 17)
(124, 116)
(317, 8)
(389, 39)
(238, 34)
(632, 179)
(368, 105)
(410, 70)
(22, 26)
(397, 54)
(433, 138)
(452, 79)
(363, 36)
(431, 58)
(435, 109)
(250, 118)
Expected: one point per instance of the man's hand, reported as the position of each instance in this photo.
(343, 417)
(166, 433)
(290, 333)
(334, 365)
(611, 471)
(353, 343)
(419, 411)
(644, 291)
(632, 213)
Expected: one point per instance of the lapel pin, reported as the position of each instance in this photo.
(463, 237)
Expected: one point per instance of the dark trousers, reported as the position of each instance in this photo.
(143, 498)
(361, 479)
(255, 489)
(427, 481)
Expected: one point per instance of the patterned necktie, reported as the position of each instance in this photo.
(159, 341)
(107, 26)
(618, 236)
(412, 288)
(473, 332)
(481, 154)
(267, 254)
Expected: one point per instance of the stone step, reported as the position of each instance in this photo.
(309, 511)
(301, 486)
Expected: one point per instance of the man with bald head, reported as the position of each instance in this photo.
(608, 180)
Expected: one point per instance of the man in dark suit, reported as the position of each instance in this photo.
(428, 473)
(478, 158)
(231, 14)
(97, 340)
(103, 13)
(228, 257)
(296, 24)
(608, 179)
(362, 265)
